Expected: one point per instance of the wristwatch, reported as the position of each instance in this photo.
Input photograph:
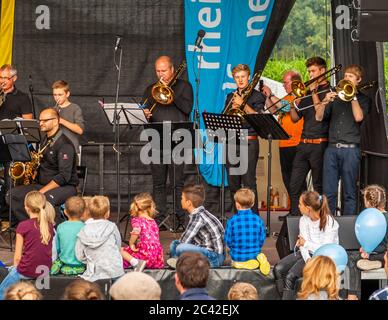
(355, 98)
(271, 95)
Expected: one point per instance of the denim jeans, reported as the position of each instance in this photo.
(177, 248)
(12, 277)
(341, 163)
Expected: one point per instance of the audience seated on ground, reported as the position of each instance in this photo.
(145, 249)
(204, 232)
(245, 234)
(382, 294)
(192, 274)
(243, 291)
(135, 286)
(320, 280)
(33, 248)
(66, 238)
(81, 289)
(316, 228)
(374, 197)
(22, 290)
(99, 242)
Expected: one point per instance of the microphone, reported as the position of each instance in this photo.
(118, 40)
(200, 35)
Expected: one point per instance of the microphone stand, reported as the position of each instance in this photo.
(31, 89)
(196, 116)
(116, 131)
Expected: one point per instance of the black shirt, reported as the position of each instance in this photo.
(15, 105)
(313, 129)
(256, 101)
(58, 162)
(343, 128)
(178, 110)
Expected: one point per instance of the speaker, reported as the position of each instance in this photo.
(282, 243)
(372, 20)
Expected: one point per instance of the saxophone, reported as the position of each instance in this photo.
(25, 173)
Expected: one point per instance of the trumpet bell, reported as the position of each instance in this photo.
(346, 90)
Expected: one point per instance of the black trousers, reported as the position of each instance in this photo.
(308, 157)
(248, 179)
(287, 156)
(56, 197)
(286, 272)
(159, 178)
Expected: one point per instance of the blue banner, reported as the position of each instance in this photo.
(234, 32)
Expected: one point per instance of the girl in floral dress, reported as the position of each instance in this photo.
(144, 247)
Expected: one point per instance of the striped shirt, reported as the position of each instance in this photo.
(244, 235)
(204, 230)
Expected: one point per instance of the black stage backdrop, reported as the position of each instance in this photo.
(348, 49)
(79, 48)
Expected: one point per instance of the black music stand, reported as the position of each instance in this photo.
(27, 127)
(172, 128)
(232, 126)
(12, 148)
(267, 128)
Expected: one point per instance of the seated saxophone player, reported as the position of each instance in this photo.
(255, 104)
(176, 111)
(56, 175)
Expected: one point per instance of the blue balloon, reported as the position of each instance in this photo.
(370, 228)
(336, 253)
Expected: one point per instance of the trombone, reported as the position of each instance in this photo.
(299, 89)
(345, 90)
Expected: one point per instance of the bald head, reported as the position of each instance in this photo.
(288, 77)
(49, 112)
(164, 68)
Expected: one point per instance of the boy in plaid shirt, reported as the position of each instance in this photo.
(245, 234)
(204, 232)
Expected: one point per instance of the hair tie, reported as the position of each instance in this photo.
(320, 198)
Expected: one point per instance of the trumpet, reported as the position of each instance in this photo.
(162, 93)
(246, 93)
(345, 90)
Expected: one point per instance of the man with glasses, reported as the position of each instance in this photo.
(57, 174)
(16, 103)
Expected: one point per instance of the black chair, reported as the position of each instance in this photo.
(82, 174)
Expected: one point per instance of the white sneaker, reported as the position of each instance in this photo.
(140, 266)
(365, 264)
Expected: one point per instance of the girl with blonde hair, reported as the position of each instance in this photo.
(374, 197)
(33, 248)
(320, 280)
(144, 247)
(23, 290)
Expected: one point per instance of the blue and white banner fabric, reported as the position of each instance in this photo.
(234, 32)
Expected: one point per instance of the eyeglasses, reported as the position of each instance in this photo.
(6, 78)
(45, 120)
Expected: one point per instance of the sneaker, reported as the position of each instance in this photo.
(365, 264)
(140, 266)
(172, 262)
(250, 264)
(265, 267)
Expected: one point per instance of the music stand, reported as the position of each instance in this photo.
(267, 128)
(133, 114)
(171, 128)
(13, 148)
(27, 127)
(216, 121)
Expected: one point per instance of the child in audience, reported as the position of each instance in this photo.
(81, 289)
(374, 197)
(204, 232)
(33, 248)
(144, 245)
(22, 290)
(245, 234)
(66, 238)
(316, 228)
(243, 291)
(320, 280)
(86, 213)
(99, 242)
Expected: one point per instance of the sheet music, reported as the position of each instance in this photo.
(130, 113)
